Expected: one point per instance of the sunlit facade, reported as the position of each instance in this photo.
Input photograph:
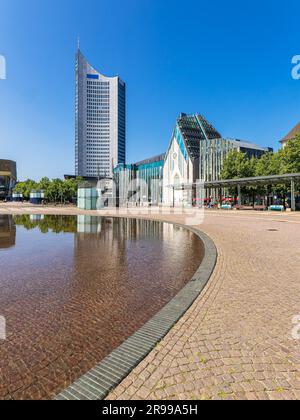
(140, 183)
(195, 155)
(181, 167)
(291, 135)
(213, 153)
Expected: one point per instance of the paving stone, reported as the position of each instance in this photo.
(245, 312)
(250, 300)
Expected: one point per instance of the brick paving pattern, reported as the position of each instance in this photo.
(235, 342)
(70, 299)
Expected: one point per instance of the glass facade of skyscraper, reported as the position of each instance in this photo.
(100, 117)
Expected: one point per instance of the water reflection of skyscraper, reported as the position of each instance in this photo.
(107, 238)
(118, 228)
(88, 224)
(7, 231)
(137, 229)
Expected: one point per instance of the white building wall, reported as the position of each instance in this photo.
(176, 171)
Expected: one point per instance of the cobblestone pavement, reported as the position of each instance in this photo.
(236, 340)
(69, 299)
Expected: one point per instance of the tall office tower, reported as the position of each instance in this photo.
(100, 134)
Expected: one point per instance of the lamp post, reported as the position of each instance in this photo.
(173, 196)
(293, 199)
(239, 195)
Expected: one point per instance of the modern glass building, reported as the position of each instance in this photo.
(8, 177)
(100, 133)
(124, 177)
(291, 135)
(213, 152)
(181, 168)
(197, 152)
(140, 183)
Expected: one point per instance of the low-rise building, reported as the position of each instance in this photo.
(291, 135)
(196, 153)
(8, 177)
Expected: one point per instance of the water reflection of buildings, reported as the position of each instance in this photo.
(98, 237)
(119, 228)
(36, 217)
(7, 232)
(87, 224)
(101, 236)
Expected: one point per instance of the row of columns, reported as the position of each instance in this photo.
(293, 195)
(293, 198)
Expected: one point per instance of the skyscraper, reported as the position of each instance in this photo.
(100, 133)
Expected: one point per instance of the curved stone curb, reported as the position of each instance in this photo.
(108, 374)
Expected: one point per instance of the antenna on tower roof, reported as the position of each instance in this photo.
(78, 42)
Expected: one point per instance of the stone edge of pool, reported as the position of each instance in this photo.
(98, 382)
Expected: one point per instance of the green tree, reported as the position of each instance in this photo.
(57, 224)
(269, 164)
(290, 157)
(25, 188)
(238, 165)
(55, 190)
(44, 184)
(285, 161)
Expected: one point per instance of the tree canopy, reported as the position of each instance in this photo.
(55, 224)
(285, 161)
(290, 157)
(238, 165)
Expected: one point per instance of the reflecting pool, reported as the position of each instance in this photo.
(74, 288)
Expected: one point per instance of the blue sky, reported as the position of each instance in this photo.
(230, 61)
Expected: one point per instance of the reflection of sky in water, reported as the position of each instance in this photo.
(72, 289)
